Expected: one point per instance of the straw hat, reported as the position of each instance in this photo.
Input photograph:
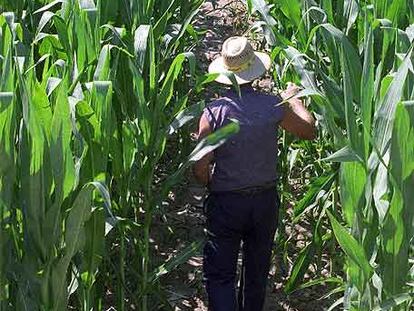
(239, 57)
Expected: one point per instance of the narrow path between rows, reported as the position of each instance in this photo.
(221, 20)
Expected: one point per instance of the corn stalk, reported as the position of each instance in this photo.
(354, 60)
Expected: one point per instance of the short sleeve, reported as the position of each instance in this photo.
(279, 108)
(215, 112)
(211, 118)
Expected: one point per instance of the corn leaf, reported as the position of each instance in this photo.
(353, 250)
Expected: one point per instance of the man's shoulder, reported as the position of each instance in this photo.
(269, 96)
(219, 102)
(270, 99)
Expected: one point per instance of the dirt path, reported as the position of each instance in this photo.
(222, 20)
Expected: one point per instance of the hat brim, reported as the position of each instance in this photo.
(261, 63)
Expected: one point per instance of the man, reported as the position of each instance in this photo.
(243, 202)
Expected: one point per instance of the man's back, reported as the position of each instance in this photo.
(249, 158)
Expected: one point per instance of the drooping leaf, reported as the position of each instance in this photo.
(353, 250)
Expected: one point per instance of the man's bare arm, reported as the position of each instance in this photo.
(201, 168)
(297, 120)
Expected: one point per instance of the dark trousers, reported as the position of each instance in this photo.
(233, 218)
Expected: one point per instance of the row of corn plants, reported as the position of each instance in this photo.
(91, 92)
(354, 60)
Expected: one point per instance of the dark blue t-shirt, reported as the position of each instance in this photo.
(249, 158)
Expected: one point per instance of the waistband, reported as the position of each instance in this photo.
(248, 190)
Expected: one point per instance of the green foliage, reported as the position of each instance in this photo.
(90, 93)
(353, 58)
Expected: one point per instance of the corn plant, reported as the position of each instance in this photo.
(354, 59)
(45, 207)
(90, 94)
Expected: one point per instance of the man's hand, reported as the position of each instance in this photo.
(292, 90)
